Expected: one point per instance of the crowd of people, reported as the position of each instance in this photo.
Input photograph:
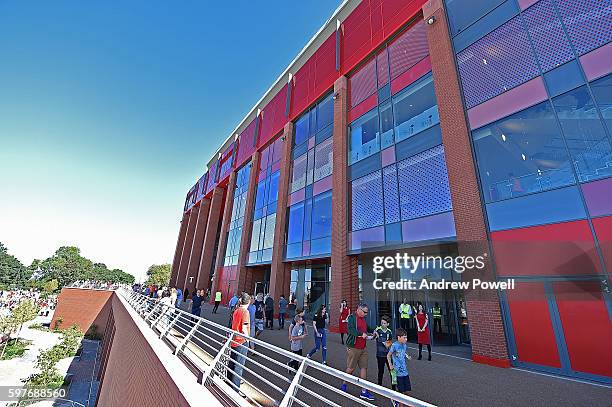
(95, 284)
(9, 299)
(252, 315)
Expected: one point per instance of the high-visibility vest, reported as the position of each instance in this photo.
(218, 296)
(436, 313)
(405, 311)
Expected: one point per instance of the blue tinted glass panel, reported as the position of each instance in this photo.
(547, 207)
(386, 125)
(320, 246)
(325, 112)
(463, 13)
(364, 137)
(390, 185)
(307, 218)
(415, 109)
(393, 233)
(301, 130)
(522, 154)
(259, 194)
(602, 91)
(294, 250)
(584, 133)
(367, 201)
(273, 194)
(322, 215)
(296, 223)
(563, 78)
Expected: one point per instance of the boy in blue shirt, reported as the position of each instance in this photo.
(397, 361)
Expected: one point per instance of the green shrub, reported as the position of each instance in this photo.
(15, 348)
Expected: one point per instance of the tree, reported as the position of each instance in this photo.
(49, 287)
(66, 266)
(12, 272)
(159, 274)
(24, 311)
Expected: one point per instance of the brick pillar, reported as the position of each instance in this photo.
(344, 276)
(179, 248)
(247, 225)
(227, 218)
(196, 247)
(210, 238)
(484, 313)
(280, 271)
(182, 270)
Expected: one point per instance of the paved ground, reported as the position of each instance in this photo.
(452, 380)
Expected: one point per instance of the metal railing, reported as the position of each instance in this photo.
(267, 377)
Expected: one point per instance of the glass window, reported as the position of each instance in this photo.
(273, 196)
(386, 125)
(522, 154)
(365, 139)
(255, 235)
(323, 159)
(307, 219)
(325, 112)
(298, 180)
(295, 224)
(415, 109)
(259, 195)
(602, 91)
(268, 240)
(584, 134)
(301, 130)
(322, 215)
(462, 13)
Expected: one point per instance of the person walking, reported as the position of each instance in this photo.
(384, 340)
(260, 314)
(196, 303)
(396, 358)
(320, 330)
(269, 311)
(173, 296)
(357, 353)
(345, 311)
(422, 322)
(238, 353)
(251, 309)
(179, 297)
(217, 301)
(282, 310)
(233, 302)
(298, 333)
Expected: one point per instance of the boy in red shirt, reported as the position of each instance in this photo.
(241, 323)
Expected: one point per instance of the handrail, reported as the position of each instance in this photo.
(267, 379)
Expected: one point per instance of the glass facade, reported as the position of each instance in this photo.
(264, 212)
(309, 287)
(234, 234)
(310, 214)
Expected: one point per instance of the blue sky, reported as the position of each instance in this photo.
(110, 110)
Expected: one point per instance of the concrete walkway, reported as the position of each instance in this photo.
(452, 380)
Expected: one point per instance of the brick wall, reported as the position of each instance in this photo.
(344, 277)
(182, 270)
(197, 246)
(212, 227)
(83, 308)
(484, 314)
(179, 248)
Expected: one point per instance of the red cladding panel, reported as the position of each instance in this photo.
(586, 326)
(325, 66)
(397, 12)
(357, 32)
(273, 117)
(300, 92)
(362, 108)
(246, 144)
(411, 75)
(363, 83)
(531, 324)
(550, 250)
(603, 230)
(408, 49)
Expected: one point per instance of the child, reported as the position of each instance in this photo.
(384, 339)
(298, 333)
(397, 361)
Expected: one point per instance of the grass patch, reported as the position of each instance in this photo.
(15, 348)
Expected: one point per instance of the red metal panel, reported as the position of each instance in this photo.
(325, 66)
(531, 324)
(397, 12)
(212, 177)
(273, 117)
(246, 144)
(363, 83)
(408, 49)
(586, 326)
(559, 249)
(603, 230)
(300, 91)
(357, 36)
(362, 108)
(411, 75)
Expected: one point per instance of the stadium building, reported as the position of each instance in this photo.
(429, 127)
